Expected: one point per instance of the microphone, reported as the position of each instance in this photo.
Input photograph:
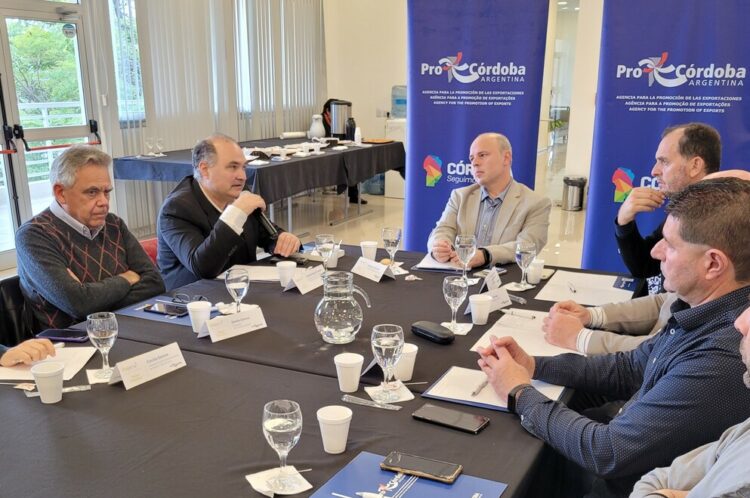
(266, 224)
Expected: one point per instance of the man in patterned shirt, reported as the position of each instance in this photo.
(684, 385)
(76, 257)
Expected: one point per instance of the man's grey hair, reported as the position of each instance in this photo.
(205, 152)
(66, 165)
(502, 142)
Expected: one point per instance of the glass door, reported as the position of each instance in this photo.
(46, 94)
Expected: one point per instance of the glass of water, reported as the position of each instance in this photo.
(237, 281)
(102, 331)
(387, 341)
(455, 289)
(525, 254)
(282, 426)
(391, 239)
(324, 244)
(149, 142)
(466, 248)
(159, 143)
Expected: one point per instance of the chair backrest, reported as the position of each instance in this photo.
(149, 245)
(14, 324)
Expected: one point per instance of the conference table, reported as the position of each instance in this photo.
(277, 180)
(197, 431)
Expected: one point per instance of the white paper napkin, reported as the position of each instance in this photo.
(402, 393)
(259, 481)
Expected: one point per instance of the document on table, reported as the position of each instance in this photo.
(74, 359)
(589, 289)
(526, 331)
(256, 273)
(457, 384)
(431, 264)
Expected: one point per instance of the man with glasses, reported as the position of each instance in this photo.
(75, 257)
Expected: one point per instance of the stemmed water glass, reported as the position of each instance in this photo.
(466, 248)
(159, 146)
(455, 289)
(391, 239)
(102, 331)
(237, 281)
(325, 246)
(525, 254)
(387, 341)
(150, 146)
(282, 426)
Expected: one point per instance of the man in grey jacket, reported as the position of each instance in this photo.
(496, 209)
(714, 469)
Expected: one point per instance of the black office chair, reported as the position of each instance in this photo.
(14, 324)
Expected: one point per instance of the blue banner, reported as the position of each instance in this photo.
(662, 63)
(473, 67)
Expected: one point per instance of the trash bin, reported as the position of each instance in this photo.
(572, 199)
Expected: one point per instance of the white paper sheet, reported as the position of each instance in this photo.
(430, 263)
(590, 289)
(74, 359)
(527, 333)
(458, 383)
(256, 273)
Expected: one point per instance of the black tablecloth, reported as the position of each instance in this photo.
(276, 180)
(197, 432)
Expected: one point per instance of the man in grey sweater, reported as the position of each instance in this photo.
(76, 257)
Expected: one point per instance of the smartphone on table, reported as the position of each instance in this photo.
(428, 468)
(64, 335)
(169, 309)
(454, 419)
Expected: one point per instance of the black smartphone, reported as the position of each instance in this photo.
(64, 335)
(171, 309)
(454, 419)
(422, 467)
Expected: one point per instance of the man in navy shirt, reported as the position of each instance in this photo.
(684, 385)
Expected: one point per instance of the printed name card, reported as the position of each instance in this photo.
(306, 280)
(492, 280)
(372, 270)
(500, 299)
(148, 366)
(226, 326)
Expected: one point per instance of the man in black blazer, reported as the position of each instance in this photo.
(206, 224)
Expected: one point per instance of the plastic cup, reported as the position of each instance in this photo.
(369, 249)
(334, 423)
(333, 260)
(480, 308)
(286, 271)
(199, 312)
(48, 376)
(348, 369)
(534, 273)
(405, 365)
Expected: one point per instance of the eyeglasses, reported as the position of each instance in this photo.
(185, 298)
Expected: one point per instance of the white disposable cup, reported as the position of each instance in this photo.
(199, 312)
(369, 249)
(333, 261)
(405, 366)
(286, 271)
(534, 273)
(48, 376)
(348, 369)
(334, 423)
(480, 308)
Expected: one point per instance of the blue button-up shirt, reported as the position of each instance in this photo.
(487, 217)
(684, 387)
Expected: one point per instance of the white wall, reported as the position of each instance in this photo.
(365, 56)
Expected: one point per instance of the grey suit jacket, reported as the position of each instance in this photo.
(523, 212)
(631, 323)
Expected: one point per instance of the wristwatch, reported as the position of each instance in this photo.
(487, 257)
(512, 396)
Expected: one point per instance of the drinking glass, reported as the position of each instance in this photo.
(150, 146)
(325, 246)
(455, 289)
(102, 331)
(282, 426)
(159, 146)
(237, 281)
(525, 254)
(391, 239)
(387, 341)
(466, 248)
